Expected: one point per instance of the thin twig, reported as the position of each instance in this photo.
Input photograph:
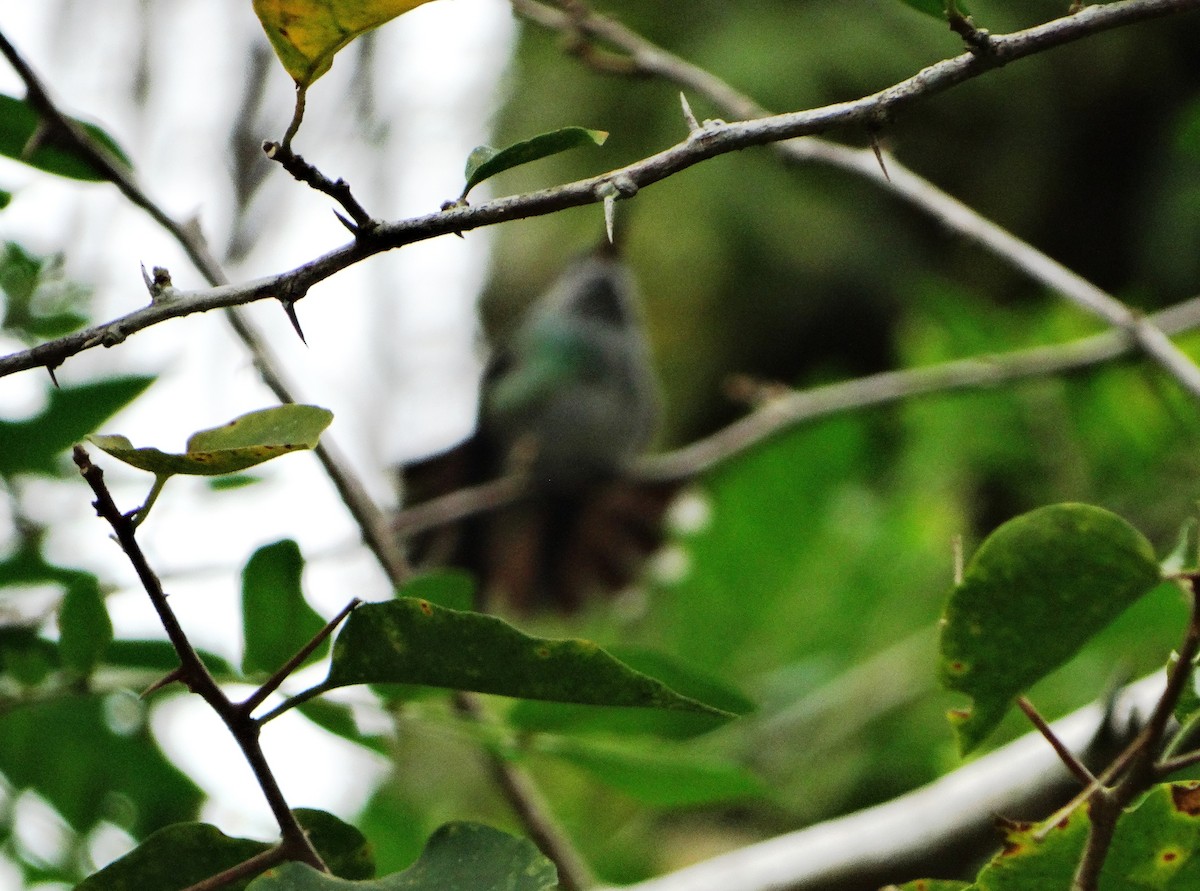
(244, 870)
(785, 412)
(459, 504)
(1107, 805)
(533, 811)
(285, 671)
(194, 673)
(1065, 755)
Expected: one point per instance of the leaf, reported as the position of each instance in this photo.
(408, 641)
(276, 620)
(39, 301)
(1036, 591)
(160, 655)
(66, 751)
(457, 857)
(25, 657)
(34, 444)
(451, 588)
(485, 162)
(931, 885)
(183, 854)
(19, 123)
(84, 627)
(935, 8)
(307, 34)
(243, 442)
(563, 717)
(1155, 845)
(666, 776)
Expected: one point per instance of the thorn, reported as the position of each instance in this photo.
(164, 681)
(289, 307)
(610, 213)
(349, 224)
(53, 377)
(689, 117)
(149, 281)
(879, 155)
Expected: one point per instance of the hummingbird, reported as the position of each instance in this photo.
(570, 402)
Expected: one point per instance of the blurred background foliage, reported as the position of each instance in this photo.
(817, 582)
(809, 572)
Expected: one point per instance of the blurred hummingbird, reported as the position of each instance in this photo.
(570, 403)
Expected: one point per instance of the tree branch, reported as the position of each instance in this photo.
(193, 672)
(783, 412)
(711, 142)
(370, 519)
(900, 837)
(649, 59)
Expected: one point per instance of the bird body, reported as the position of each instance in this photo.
(570, 402)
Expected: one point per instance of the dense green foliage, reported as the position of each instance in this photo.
(804, 577)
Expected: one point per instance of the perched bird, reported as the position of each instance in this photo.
(570, 403)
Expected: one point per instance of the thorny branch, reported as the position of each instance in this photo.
(374, 525)
(713, 141)
(193, 673)
(649, 59)
(366, 513)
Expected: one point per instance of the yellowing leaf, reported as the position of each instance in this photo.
(306, 34)
(243, 442)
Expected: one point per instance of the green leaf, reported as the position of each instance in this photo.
(1155, 846)
(561, 717)
(19, 123)
(25, 657)
(485, 162)
(307, 34)
(183, 854)
(457, 857)
(39, 301)
(450, 588)
(160, 655)
(338, 719)
(409, 641)
(276, 620)
(931, 885)
(85, 629)
(34, 444)
(935, 8)
(5, 198)
(665, 776)
(243, 442)
(1036, 591)
(68, 752)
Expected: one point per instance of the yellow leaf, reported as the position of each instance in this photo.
(307, 34)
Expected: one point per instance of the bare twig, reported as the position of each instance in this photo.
(534, 813)
(338, 190)
(284, 671)
(784, 412)
(1106, 805)
(1065, 755)
(459, 504)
